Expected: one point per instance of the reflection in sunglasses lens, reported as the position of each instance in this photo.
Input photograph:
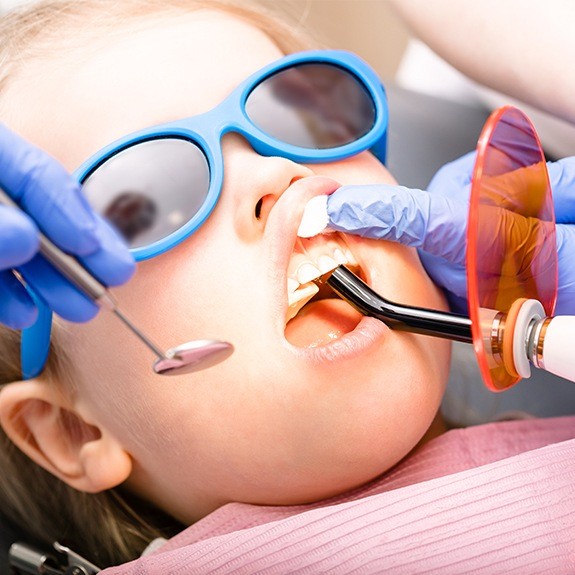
(315, 106)
(131, 213)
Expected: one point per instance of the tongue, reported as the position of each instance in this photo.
(320, 322)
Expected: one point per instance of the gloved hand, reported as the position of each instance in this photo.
(436, 222)
(55, 204)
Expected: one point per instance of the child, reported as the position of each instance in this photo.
(315, 401)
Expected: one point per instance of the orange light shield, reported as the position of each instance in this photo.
(511, 248)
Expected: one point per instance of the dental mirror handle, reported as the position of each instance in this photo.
(74, 272)
(79, 276)
(400, 317)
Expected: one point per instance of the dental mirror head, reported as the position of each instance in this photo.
(193, 356)
(185, 358)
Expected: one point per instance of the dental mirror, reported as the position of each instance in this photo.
(185, 358)
(193, 356)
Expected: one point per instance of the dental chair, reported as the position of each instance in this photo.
(425, 132)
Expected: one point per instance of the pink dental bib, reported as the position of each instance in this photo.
(496, 498)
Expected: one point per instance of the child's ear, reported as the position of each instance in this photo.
(82, 455)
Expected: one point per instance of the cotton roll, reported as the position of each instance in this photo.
(315, 218)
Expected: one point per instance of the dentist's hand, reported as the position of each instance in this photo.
(53, 203)
(436, 222)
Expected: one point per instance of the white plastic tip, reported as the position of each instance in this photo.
(315, 218)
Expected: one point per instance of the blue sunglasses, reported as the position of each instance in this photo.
(158, 185)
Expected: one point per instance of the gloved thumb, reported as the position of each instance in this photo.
(415, 218)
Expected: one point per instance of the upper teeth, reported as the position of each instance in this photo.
(310, 261)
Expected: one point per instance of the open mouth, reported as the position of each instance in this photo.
(316, 315)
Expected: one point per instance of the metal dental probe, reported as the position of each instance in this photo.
(185, 358)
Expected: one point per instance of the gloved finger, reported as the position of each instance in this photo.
(112, 263)
(18, 238)
(43, 188)
(562, 179)
(58, 293)
(566, 255)
(453, 178)
(17, 310)
(412, 217)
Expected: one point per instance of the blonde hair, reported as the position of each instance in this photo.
(111, 527)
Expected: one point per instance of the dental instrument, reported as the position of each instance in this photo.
(398, 316)
(546, 342)
(511, 264)
(185, 358)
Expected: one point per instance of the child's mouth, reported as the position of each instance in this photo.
(315, 315)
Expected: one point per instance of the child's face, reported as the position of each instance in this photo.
(280, 421)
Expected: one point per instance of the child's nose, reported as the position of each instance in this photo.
(254, 183)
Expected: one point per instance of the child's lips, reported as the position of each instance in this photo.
(327, 318)
(318, 317)
(322, 322)
(330, 329)
(285, 216)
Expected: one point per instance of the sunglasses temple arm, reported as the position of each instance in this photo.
(399, 317)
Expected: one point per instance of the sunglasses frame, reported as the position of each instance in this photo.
(206, 131)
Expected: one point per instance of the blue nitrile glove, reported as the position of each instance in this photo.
(55, 204)
(562, 178)
(436, 222)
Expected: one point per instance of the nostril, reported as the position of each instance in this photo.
(259, 208)
(264, 205)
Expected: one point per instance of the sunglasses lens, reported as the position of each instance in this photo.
(151, 189)
(312, 106)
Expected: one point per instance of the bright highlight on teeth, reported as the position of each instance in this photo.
(315, 218)
(309, 263)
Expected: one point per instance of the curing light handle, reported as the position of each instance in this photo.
(553, 348)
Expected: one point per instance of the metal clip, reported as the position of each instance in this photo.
(25, 560)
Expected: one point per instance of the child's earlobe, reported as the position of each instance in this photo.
(61, 441)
